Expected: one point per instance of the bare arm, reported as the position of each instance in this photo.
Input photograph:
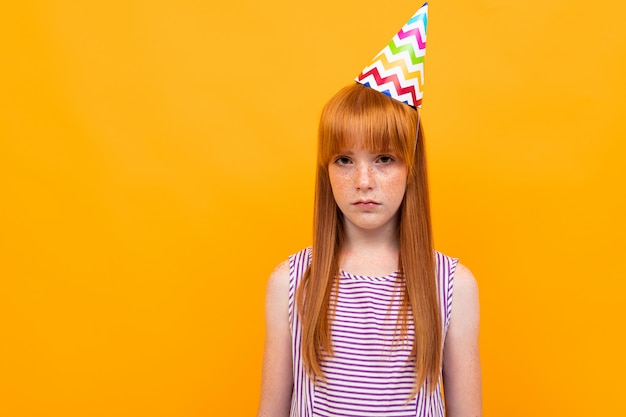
(277, 380)
(461, 360)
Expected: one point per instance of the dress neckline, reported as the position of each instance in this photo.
(389, 277)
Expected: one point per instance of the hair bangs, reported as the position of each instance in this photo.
(361, 117)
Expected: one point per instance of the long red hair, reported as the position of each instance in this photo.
(380, 123)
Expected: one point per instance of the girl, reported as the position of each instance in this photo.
(371, 321)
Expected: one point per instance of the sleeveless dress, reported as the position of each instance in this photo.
(371, 372)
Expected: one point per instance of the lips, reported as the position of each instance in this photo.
(366, 204)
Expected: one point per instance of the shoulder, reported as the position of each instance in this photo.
(278, 283)
(465, 306)
(464, 282)
(277, 300)
(296, 265)
(281, 270)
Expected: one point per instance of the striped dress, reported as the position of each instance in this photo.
(371, 372)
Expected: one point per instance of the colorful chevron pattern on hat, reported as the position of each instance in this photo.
(398, 70)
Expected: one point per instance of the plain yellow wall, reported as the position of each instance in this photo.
(156, 162)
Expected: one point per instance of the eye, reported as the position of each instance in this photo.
(342, 160)
(385, 159)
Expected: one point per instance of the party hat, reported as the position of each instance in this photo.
(398, 70)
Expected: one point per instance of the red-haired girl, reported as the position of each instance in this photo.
(371, 320)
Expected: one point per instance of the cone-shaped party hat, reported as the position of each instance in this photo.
(398, 70)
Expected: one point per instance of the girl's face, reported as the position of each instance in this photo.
(368, 187)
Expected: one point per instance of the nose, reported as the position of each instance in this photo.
(364, 177)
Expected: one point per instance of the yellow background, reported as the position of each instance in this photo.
(156, 163)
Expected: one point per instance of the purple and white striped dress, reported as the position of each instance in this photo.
(371, 373)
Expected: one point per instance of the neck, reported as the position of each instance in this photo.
(374, 240)
(370, 252)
